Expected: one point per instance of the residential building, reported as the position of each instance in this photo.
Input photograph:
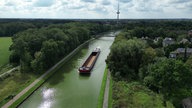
(187, 103)
(168, 41)
(180, 52)
(184, 41)
(190, 33)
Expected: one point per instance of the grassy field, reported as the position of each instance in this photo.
(110, 99)
(5, 43)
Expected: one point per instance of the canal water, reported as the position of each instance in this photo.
(66, 88)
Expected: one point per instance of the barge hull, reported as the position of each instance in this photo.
(90, 62)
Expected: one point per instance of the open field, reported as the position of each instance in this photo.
(5, 43)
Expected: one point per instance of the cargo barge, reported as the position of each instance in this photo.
(90, 62)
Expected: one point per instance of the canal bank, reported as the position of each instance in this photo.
(67, 88)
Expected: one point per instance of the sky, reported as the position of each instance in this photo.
(96, 9)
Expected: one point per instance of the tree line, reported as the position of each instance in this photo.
(165, 28)
(9, 27)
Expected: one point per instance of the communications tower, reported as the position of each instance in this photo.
(118, 12)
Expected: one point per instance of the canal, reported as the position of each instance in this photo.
(66, 88)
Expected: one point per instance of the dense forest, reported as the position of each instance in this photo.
(9, 27)
(139, 64)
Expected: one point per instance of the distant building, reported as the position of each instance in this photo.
(190, 33)
(144, 38)
(187, 103)
(180, 52)
(184, 41)
(168, 41)
(157, 39)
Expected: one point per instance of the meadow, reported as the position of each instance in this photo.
(5, 43)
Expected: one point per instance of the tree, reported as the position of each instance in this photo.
(189, 62)
(138, 32)
(14, 58)
(125, 58)
(148, 57)
(26, 62)
(169, 77)
(159, 52)
(170, 48)
(49, 53)
(37, 63)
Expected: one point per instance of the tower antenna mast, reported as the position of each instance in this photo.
(118, 12)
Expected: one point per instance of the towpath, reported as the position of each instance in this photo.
(9, 71)
(106, 95)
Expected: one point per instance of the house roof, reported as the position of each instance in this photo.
(187, 103)
(168, 39)
(190, 32)
(182, 50)
(184, 40)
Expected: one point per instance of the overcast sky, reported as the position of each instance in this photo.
(95, 9)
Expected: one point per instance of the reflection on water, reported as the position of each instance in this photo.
(47, 98)
(84, 76)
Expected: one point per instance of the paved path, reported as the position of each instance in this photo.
(8, 104)
(11, 70)
(106, 95)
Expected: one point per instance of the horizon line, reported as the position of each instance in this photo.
(98, 18)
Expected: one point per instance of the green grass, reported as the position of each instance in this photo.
(102, 90)
(5, 43)
(13, 85)
(110, 102)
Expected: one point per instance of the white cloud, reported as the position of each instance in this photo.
(44, 3)
(106, 2)
(89, 1)
(95, 8)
